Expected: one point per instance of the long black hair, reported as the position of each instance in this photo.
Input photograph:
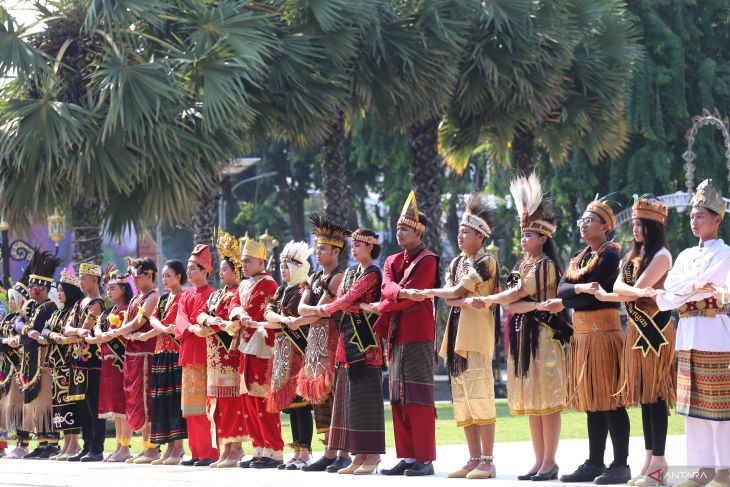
(655, 238)
(128, 293)
(72, 293)
(548, 248)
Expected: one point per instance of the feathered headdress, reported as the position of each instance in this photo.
(327, 232)
(43, 266)
(21, 286)
(534, 210)
(480, 213)
(296, 256)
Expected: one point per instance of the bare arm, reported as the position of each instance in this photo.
(453, 292)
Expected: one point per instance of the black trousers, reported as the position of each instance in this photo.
(655, 421)
(301, 426)
(600, 424)
(93, 429)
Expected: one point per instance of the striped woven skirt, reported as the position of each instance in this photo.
(168, 423)
(358, 422)
(703, 385)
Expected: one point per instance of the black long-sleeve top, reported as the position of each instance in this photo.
(605, 273)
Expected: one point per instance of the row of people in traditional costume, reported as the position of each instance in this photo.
(218, 367)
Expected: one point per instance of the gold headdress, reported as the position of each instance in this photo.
(409, 214)
(327, 232)
(227, 246)
(358, 236)
(648, 209)
(533, 209)
(252, 248)
(90, 269)
(480, 213)
(70, 279)
(707, 197)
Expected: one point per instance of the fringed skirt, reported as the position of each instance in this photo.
(11, 406)
(358, 422)
(37, 406)
(595, 371)
(652, 377)
(703, 385)
(285, 367)
(112, 401)
(542, 390)
(317, 377)
(168, 424)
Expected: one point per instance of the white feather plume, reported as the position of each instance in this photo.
(526, 193)
(298, 251)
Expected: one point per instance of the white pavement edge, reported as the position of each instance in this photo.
(511, 459)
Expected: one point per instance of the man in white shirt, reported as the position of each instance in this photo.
(698, 287)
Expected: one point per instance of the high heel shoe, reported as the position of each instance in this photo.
(172, 460)
(350, 469)
(635, 479)
(365, 469)
(159, 461)
(527, 476)
(229, 462)
(552, 474)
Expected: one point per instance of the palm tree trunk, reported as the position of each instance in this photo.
(523, 151)
(85, 220)
(336, 195)
(426, 169)
(204, 220)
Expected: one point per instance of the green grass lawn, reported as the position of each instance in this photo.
(509, 428)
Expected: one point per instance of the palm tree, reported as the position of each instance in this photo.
(561, 96)
(124, 113)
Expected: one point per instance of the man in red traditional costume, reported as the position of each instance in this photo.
(193, 358)
(247, 311)
(407, 323)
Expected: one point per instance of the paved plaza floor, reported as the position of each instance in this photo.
(511, 460)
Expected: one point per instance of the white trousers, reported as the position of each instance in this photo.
(708, 443)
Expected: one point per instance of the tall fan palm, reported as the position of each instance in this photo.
(123, 113)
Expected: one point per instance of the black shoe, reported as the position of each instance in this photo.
(247, 463)
(266, 462)
(419, 469)
(48, 451)
(552, 474)
(78, 456)
(399, 469)
(205, 462)
(339, 464)
(320, 465)
(614, 474)
(35, 453)
(585, 473)
(527, 476)
(189, 463)
(93, 457)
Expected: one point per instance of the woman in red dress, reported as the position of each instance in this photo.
(224, 404)
(112, 402)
